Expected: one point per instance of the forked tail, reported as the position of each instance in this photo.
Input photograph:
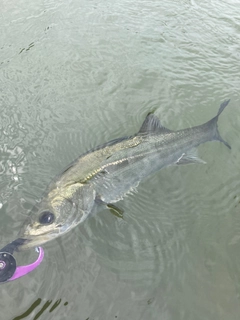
(213, 123)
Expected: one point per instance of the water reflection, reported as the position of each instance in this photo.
(42, 310)
(75, 74)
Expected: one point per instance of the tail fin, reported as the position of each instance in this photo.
(222, 107)
(213, 123)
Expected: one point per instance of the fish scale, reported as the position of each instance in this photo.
(104, 175)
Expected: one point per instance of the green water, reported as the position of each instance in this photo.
(75, 74)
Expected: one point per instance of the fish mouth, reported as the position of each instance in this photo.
(25, 243)
(14, 245)
(32, 241)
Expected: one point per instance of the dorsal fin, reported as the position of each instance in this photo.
(152, 125)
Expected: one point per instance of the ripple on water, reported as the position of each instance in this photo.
(147, 244)
(80, 75)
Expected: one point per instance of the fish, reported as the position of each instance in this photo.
(106, 174)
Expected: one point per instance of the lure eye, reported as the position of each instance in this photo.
(46, 217)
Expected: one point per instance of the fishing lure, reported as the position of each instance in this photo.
(8, 266)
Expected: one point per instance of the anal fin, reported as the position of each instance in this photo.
(190, 157)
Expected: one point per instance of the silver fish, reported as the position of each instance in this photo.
(104, 175)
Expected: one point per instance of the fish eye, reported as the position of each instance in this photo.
(46, 217)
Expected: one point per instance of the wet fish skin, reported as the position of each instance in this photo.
(107, 173)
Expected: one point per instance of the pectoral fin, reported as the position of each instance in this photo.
(115, 210)
(190, 157)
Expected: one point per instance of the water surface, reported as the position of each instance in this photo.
(77, 74)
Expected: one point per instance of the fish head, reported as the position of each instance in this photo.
(56, 214)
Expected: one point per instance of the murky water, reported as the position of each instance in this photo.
(76, 74)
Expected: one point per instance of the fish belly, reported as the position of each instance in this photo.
(123, 176)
